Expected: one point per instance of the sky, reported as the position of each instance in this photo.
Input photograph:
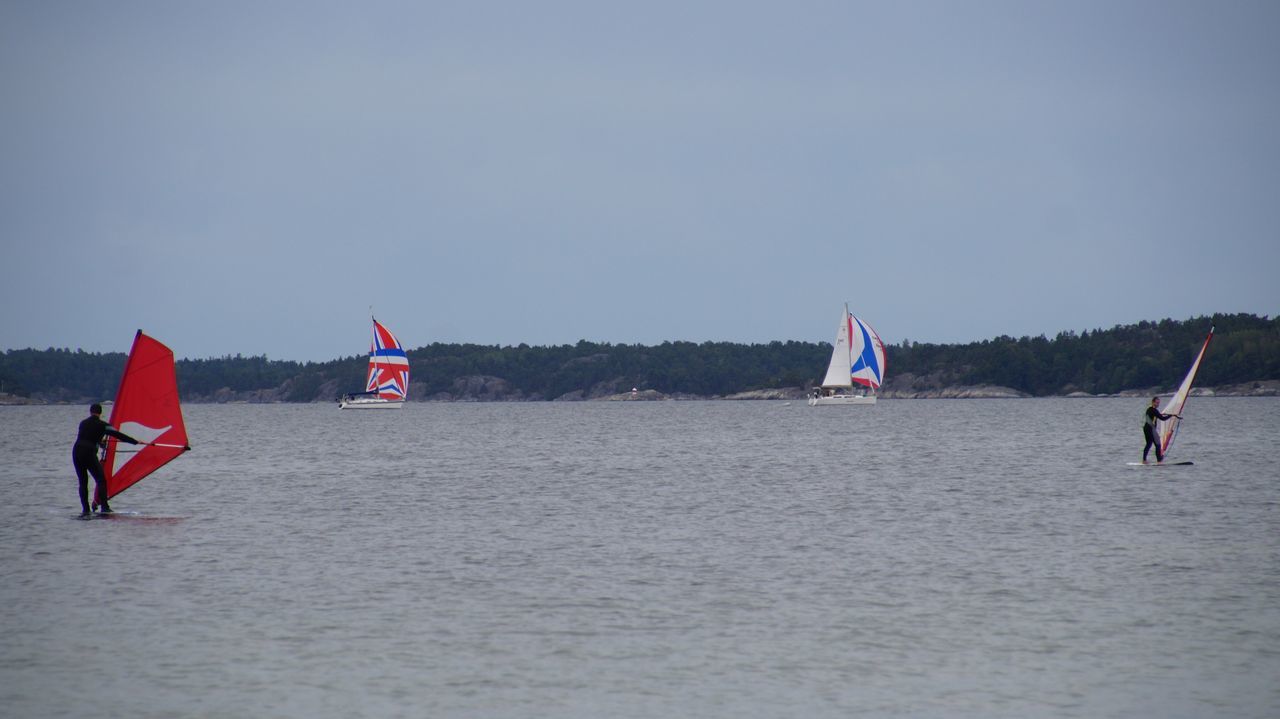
(250, 177)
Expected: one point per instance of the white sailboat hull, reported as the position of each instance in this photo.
(842, 399)
(370, 403)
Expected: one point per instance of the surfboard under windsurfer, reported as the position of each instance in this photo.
(84, 455)
(1153, 415)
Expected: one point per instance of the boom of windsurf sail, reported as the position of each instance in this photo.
(146, 408)
(1168, 429)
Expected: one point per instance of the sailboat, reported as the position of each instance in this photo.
(387, 380)
(857, 360)
(146, 408)
(1167, 430)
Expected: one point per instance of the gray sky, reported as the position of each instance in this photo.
(249, 177)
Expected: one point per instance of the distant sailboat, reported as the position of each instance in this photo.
(857, 359)
(387, 380)
(146, 408)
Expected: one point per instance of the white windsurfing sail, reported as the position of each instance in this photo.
(1168, 429)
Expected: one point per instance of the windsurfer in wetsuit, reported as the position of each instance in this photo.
(84, 455)
(1152, 416)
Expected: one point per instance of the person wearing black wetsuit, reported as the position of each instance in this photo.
(1152, 416)
(84, 455)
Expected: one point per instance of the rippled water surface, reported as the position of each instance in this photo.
(706, 559)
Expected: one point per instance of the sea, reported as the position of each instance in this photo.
(916, 558)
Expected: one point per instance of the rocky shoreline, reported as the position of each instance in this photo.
(496, 389)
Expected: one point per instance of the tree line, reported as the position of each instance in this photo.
(1245, 348)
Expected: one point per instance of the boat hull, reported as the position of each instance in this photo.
(842, 399)
(370, 404)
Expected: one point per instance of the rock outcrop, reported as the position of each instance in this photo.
(985, 391)
(485, 388)
(647, 395)
(788, 393)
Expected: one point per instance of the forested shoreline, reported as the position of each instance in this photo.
(1140, 357)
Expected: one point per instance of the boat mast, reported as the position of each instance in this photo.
(376, 358)
(848, 328)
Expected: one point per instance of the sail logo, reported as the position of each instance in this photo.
(140, 432)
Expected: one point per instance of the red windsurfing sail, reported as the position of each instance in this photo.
(146, 409)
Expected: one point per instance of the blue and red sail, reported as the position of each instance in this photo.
(388, 375)
(866, 354)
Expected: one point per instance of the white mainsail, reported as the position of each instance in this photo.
(838, 371)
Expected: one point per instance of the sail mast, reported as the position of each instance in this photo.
(375, 369)
(848, 322)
